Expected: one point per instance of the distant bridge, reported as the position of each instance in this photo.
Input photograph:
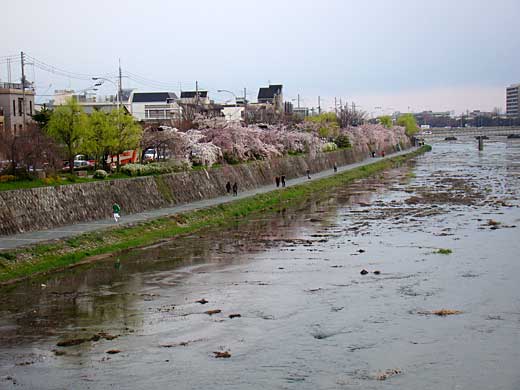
(469, 131)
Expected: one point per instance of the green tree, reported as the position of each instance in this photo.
(327, 123)
(42, 117)
(101, 136)
(409, 123)
(128, 133)
(386, 121)
(67, 126)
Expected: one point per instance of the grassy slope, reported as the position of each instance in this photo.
(43, 258)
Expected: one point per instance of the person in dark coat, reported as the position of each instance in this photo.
(228, 187)
(235, 189)
(335, 168)
(277, 180)
(308, 173)
(283, 180)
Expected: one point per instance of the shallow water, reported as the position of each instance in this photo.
(309, 319)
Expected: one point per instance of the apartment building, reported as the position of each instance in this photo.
(512, 100)
(12, 105)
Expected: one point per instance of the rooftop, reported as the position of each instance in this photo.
(192, 94)
(152, 97)
(270, 92)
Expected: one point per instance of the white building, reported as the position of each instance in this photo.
(233, 114)
(148, 106)
(513, 100)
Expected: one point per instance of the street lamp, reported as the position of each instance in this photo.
(100, 82)
(232, 93)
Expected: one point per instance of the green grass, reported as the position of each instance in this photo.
(42, 258)
(444, 251)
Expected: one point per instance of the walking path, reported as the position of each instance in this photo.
(23, 239)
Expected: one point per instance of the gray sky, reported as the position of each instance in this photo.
(421, 54)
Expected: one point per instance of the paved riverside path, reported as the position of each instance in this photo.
(24, 239)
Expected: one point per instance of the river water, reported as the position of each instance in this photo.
(308, 318)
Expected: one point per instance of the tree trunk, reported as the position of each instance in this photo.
(71, 161)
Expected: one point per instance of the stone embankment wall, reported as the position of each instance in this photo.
(49, 207)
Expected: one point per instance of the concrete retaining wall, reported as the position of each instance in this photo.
(50, 207)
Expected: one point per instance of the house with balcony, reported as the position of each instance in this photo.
(154, 106)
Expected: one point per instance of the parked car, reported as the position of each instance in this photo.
(149, 155)
(78, 164)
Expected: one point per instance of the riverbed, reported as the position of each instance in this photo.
(278, 301)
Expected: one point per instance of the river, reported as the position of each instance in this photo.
(308, 318)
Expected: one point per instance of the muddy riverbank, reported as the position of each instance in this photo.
(167, 316)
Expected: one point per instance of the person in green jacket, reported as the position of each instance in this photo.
(116, 209)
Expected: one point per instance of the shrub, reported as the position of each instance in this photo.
(51, 180)
(153, 168)
(71, 177)
(100, 174)
(329, 147)
(6, 178)
(342, 141)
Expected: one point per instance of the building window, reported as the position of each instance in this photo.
(14, 107)
(30, 107)
(20, 106)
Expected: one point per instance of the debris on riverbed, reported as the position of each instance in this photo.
(235, 315)
(377, 272)
(219, 354)
(113, 351)
(443, 251)
(81, 340)
(166, 308)
(364, 272)
(441, 312)
(211, 312)
(202, 301)
(382, 376)
(182, 343)
(446, 312)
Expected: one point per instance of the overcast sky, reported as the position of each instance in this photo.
(398, 55)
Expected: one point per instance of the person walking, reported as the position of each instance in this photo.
(383, 153)
(235, 189)
(308, 173)
(116, 209)
(283, 180)
(335, 167)
(228, 187)
(277, 180)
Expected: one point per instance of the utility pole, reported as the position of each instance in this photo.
(335, 106)
(319, 106)
(9, 79)
(120, 92)
(298, 100)
(245, 106)
(23, 88)
(197, 92)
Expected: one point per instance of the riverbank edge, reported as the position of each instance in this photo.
(41, 259)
